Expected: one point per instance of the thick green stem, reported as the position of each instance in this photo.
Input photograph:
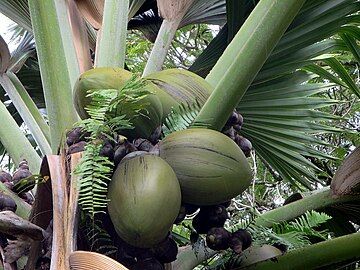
(188, 258)
(342, 249)
(62, 17)
(56, 72)
(27, 110)
(15, 142)
(162, 44)
(110, 50)
(244, 57)
(319, 199)
(23, 209)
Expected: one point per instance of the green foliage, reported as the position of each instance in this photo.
(188, 44)
(293, 234)
(302, 228)
(28, 183)
(96, 237)
(181, 118)
(95, 172)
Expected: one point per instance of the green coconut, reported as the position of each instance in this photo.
(115, 78)
(145, 199)
(176, 86)
(210, 167)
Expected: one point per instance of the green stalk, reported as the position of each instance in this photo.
(27, 110)
(56, 71)
(244, 57)
(110, 49)
(319, 199)
(15, 142)
(324, 254)
(31, 105)
(187, 259)
(62, 19)
(162, 44)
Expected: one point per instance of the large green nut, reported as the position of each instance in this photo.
(115, 78)
(145, 200)
(210, 167)
(176, 86)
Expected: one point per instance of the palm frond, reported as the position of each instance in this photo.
(23, 51)
(18, 11)
(281, 120)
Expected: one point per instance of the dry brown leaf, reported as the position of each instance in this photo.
(80, 37)
(60, 202)
(84, 260)
(73, 213)
(173, 9)
(92, 11)
(17, 249)
(346, 180)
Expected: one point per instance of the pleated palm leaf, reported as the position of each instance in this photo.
(281, 117)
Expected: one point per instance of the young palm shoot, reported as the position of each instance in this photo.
(110, 49)
(172, 11)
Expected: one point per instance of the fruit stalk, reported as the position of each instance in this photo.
(322, 254)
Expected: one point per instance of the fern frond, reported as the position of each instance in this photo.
(97, 237)
(95, 174)
(293, 234)
(307, 222)
(182, 117)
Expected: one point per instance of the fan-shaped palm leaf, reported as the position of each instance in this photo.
(280, 115)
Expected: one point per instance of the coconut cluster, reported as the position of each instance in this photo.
(209, 220)
(232, 129)
(159, 181)
(15, 184)
(115, 149)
